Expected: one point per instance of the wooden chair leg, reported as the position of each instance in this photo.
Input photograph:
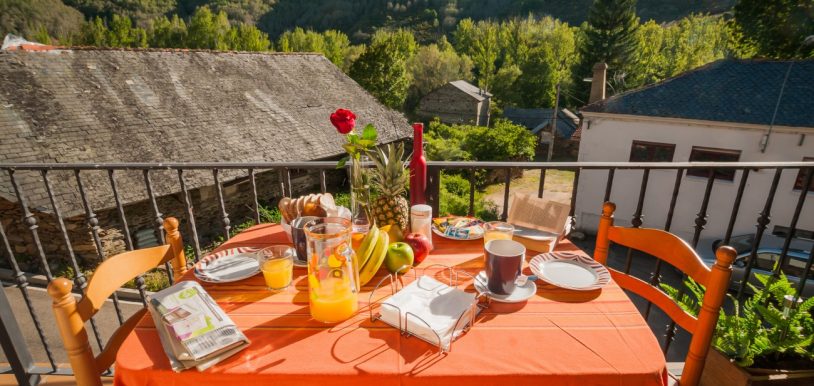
(72, 329)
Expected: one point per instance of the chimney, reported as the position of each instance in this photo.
(598, 82)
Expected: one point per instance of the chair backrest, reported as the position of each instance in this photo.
(108, 277)
(675, 251)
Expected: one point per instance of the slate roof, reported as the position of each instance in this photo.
(538, 119)
(729, 90)
(471, 89)
(99, 105)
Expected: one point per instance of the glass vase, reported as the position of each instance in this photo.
(359, 196)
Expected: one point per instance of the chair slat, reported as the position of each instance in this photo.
(115, 272)
(657, 297)
(665, 246)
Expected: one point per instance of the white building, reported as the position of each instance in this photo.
(725, 111)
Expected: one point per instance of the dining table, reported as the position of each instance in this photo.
(557, 337)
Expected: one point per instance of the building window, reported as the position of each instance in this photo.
(801, 176)
(708, 154)
(642, 151)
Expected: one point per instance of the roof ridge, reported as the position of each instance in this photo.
(156, 49)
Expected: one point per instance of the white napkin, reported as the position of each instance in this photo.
(437, 304)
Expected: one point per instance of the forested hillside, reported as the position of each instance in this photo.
(356, 18)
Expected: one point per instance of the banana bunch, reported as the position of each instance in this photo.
(371, 253)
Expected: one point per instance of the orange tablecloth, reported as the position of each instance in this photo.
(558, 337)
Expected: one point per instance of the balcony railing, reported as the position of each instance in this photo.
(596, 173)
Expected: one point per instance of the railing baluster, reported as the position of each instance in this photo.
(541, 186)
(31, 220)
(281, 177)
(762, 222)
(224, 215)
(655, 276)
(793, 225)
(806, 274)
(254, 196)
(431, 193)
(574, 189)
(609, 185)
(288, 182)
(323, 184)
(128, 240)
(193, 229)
(22, 283)
(637, 215)
(508, 182)
(79, 276)
(700, 222)
(93, 223)
(471, 210)
(701, 217)
(159, 219)
(735, 207)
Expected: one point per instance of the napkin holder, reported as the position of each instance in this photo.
(464, 321)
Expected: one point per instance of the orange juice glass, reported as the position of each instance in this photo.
(497, 230)
(333, 273)
(277, 265)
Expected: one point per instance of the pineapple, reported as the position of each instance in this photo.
(389, 178)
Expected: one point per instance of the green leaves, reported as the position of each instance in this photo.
(369, 133)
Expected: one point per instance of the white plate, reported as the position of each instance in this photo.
(520, 294)
(570, 270)
(228, 265)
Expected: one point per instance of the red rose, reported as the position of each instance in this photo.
(343, 120)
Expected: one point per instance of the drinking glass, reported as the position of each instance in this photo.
(497, 230)
(277, 265)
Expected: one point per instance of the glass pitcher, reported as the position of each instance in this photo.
(333, 270)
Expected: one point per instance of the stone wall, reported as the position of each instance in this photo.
(237, 196)
(450, 105)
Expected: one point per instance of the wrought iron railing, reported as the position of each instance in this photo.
(27, 372)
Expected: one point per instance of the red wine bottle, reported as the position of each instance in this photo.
(418, 167)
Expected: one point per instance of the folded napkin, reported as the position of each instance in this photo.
(434, 308)
(194, 330)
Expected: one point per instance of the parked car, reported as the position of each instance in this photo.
(768, 253)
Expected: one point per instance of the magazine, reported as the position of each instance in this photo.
(193, 329)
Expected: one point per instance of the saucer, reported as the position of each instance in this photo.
(520, 293)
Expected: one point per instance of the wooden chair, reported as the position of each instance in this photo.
(108, 277)
(675, 251)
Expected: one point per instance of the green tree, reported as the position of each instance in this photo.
(504, 141)
(382, 71)
(300, 40)
(774, 28)
(94, 33)
(610, 37)
(167, 33)
(121, 33)
(432, 67)
(336, 46)
(480, 41)
(246, 37)
(400, 39)
(207, 30)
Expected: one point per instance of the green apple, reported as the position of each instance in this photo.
(398, 255)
